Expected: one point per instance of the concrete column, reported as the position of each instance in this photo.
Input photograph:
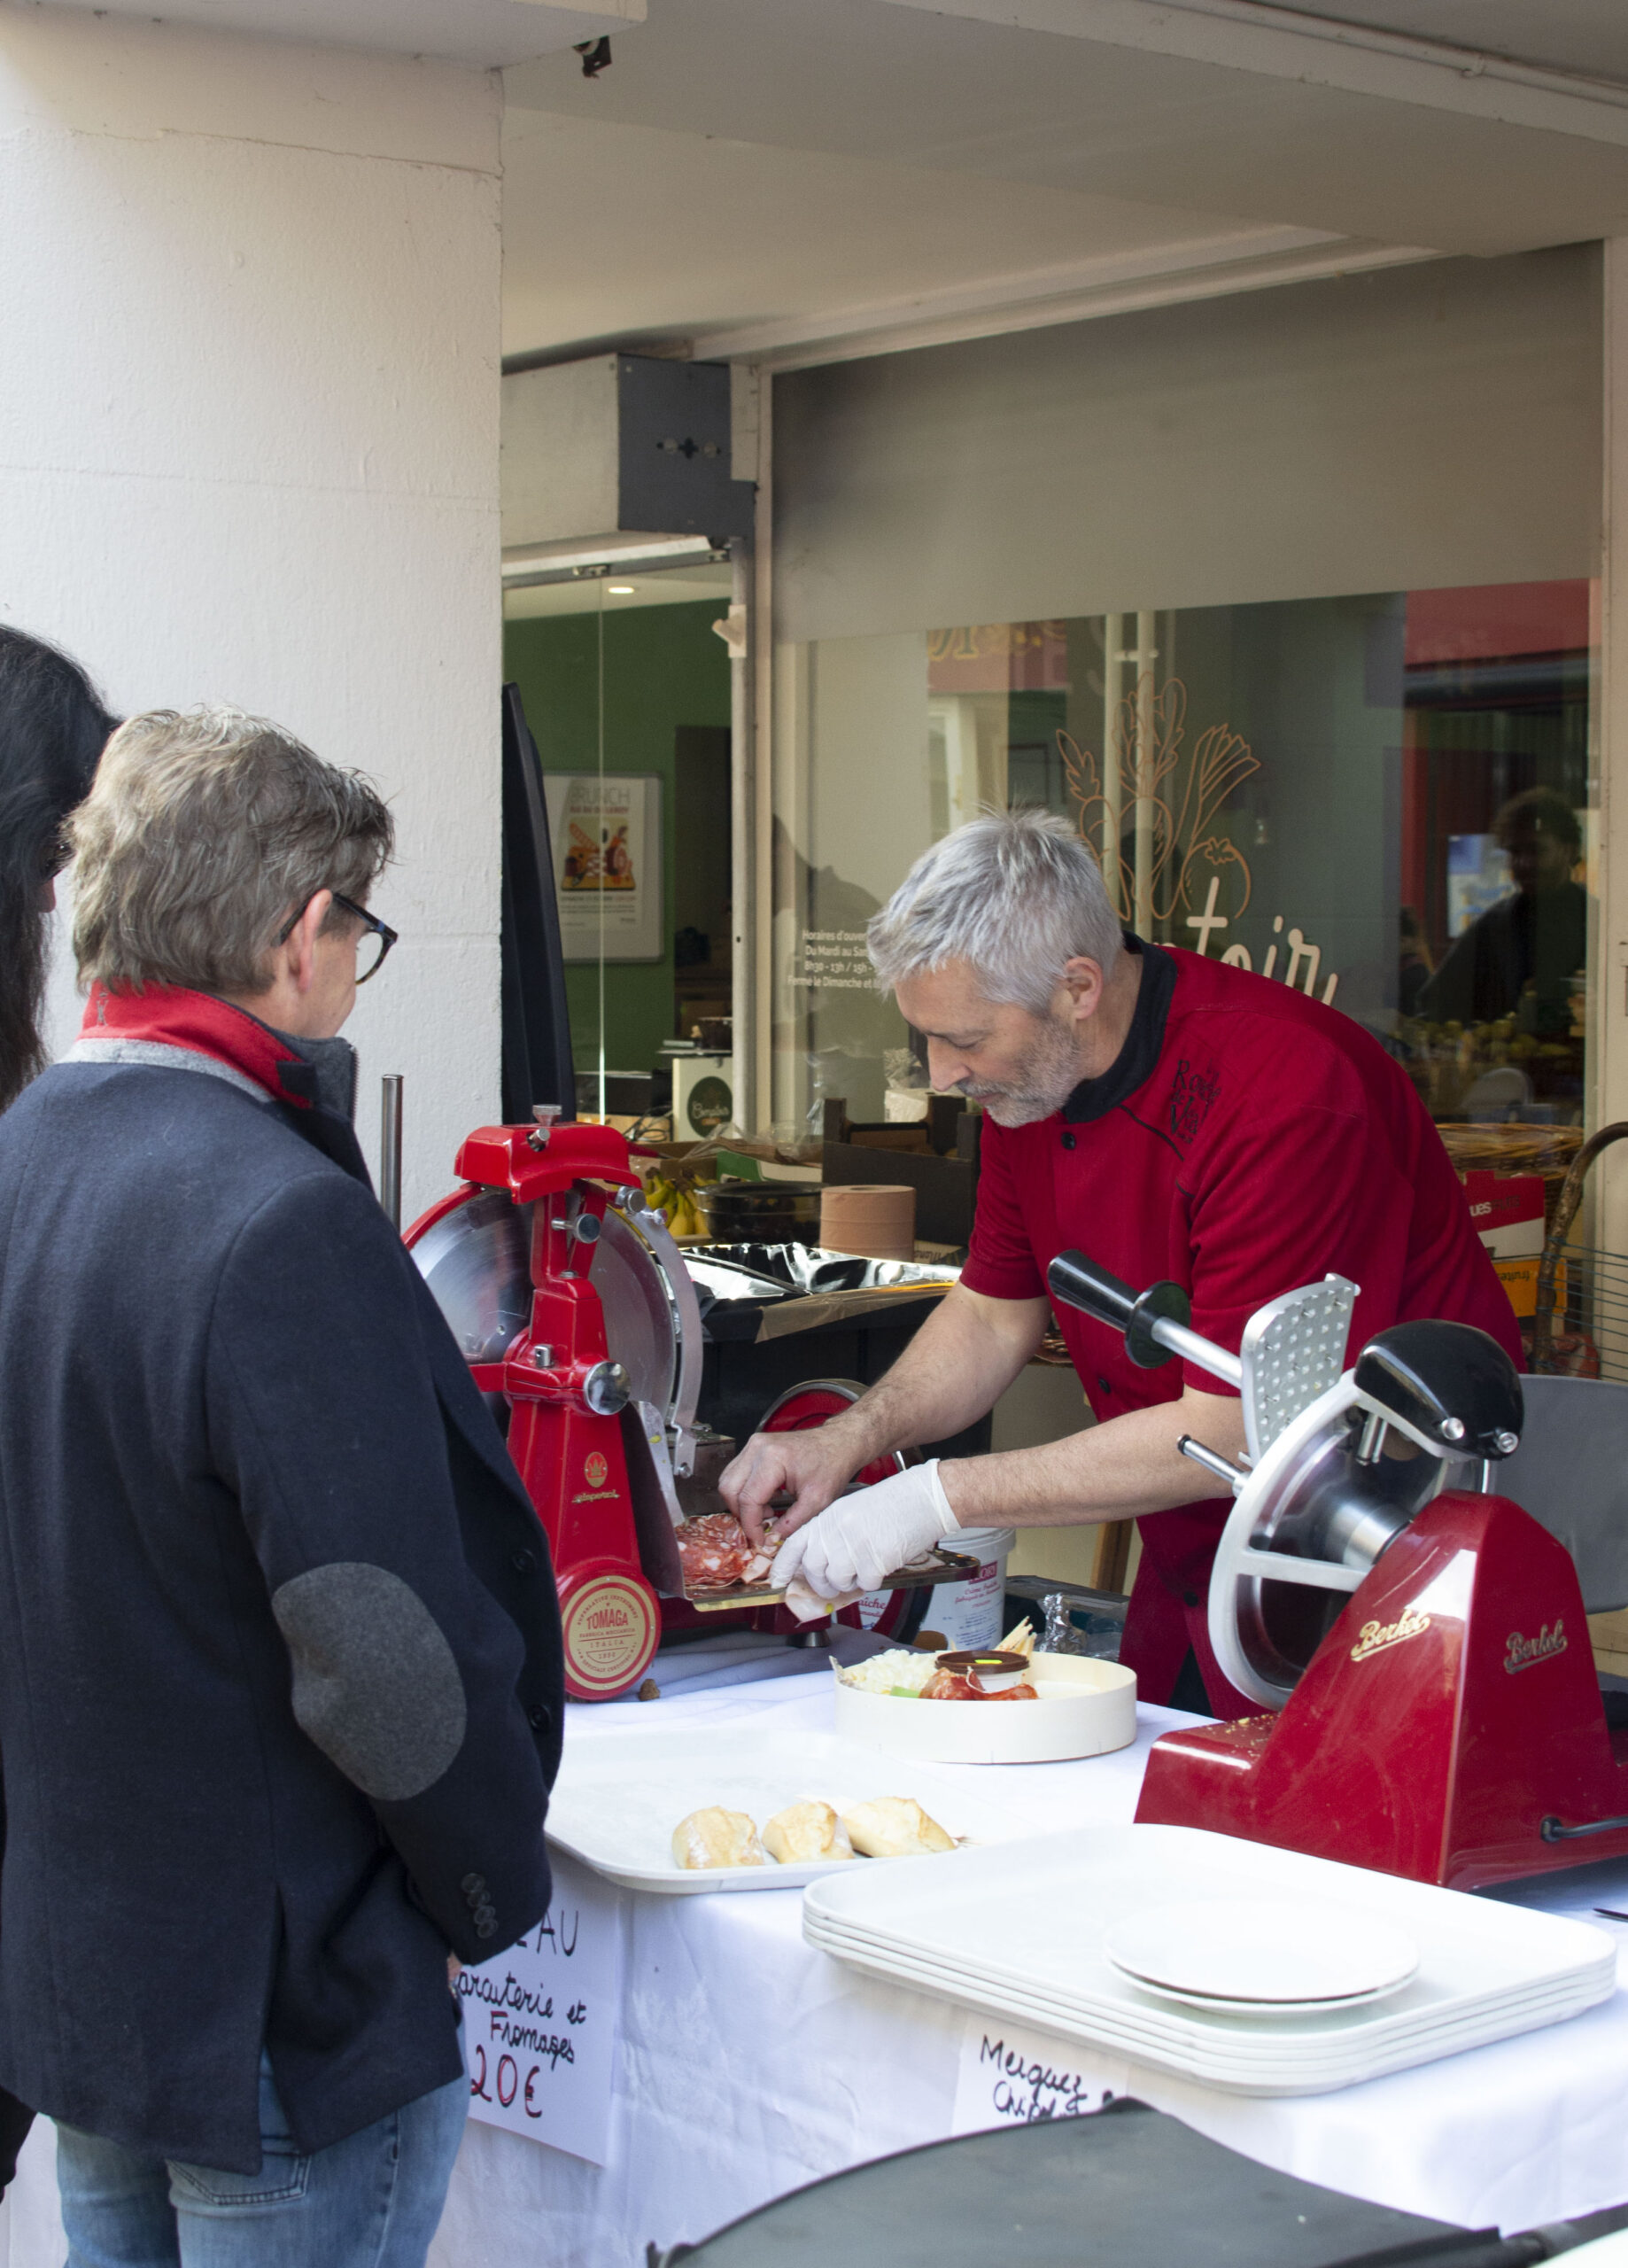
(249, 451)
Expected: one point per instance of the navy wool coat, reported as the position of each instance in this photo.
(281, 1685)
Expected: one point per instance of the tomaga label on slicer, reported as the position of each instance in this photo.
(608, 1627)
(1376, 1636)
(1522, 1653)
(540, 2022)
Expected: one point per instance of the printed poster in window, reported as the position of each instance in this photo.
(606, 835)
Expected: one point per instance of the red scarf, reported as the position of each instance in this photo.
(173, 1017)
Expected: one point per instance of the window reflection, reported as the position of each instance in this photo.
(1382, 800)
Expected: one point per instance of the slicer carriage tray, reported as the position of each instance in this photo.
(617, 1800)
(936, 1566)
(1018, 1932)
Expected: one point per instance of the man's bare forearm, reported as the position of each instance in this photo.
(954, 1371)
(1117, 1471)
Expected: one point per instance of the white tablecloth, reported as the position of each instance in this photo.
(749, 2064)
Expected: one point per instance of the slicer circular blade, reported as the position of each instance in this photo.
(477, 1262)
(476, 1257)
(1309, 1504)
(639, 1328)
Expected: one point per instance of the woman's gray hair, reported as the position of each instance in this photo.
(1016, 894)
(203, 835)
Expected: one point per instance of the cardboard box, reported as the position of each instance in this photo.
(1508, 1210)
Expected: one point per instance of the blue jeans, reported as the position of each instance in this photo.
(372, 2201)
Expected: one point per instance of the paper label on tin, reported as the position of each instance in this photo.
(1011, 2075)
(969, 1615)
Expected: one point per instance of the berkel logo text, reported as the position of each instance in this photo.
(1521, 1653)
(1376, 1637)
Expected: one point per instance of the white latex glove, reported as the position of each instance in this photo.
(861, 1538)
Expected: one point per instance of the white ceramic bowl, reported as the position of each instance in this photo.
(1085, 1708)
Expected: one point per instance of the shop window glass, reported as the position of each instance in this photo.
(627, 693)
(1382, 800)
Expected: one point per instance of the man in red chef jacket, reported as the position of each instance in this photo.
(1172, 1117)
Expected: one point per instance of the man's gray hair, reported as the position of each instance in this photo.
(1016, 894)
(202, 836)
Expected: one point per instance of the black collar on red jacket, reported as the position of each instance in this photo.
(1138, 1058)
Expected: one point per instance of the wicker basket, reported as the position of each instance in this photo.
(1547, 1150)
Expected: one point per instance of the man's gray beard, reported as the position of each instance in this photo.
(1045, 1082)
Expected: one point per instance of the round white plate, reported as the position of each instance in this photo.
(1263, 1953)
(1257, 2011)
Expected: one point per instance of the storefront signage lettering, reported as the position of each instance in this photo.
(834, 961)
(1301, 955)
(539, 2030)
(1011, 2076)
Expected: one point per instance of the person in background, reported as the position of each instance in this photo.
(1415, 966)
(281, 1688)
(1520, 957)
(53, 729)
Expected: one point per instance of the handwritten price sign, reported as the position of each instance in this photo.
(539, 2023)
(1009, 2076)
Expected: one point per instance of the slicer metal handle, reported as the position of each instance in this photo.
(1154, 1321)
(1213, 1461)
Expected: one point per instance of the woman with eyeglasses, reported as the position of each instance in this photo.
(52, 728)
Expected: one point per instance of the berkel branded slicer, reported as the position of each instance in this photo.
(1417, 1644)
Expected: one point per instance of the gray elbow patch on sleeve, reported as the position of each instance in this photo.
(376, 1684)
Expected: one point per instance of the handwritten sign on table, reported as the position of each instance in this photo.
(540, 2022)
(1010, 2075)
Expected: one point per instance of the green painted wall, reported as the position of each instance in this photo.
(663, 668)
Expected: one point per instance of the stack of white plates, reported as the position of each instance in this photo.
(1294, 1975)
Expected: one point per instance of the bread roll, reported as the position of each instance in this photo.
(716, 1838)
(803, 1832)
(895, 1827)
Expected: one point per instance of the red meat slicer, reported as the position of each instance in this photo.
(573, 1305)
(1420, 1653)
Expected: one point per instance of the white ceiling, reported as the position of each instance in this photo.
(481, 32)
(753, 169)
(1584, 36)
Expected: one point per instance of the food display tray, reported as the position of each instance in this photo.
(615, 1804)
(1085, 1708)
(1019, 1935)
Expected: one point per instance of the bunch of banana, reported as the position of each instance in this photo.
(676, 1205)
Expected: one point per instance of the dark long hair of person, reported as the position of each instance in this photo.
(52, 730)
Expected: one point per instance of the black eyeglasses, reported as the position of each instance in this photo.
(376, 943)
